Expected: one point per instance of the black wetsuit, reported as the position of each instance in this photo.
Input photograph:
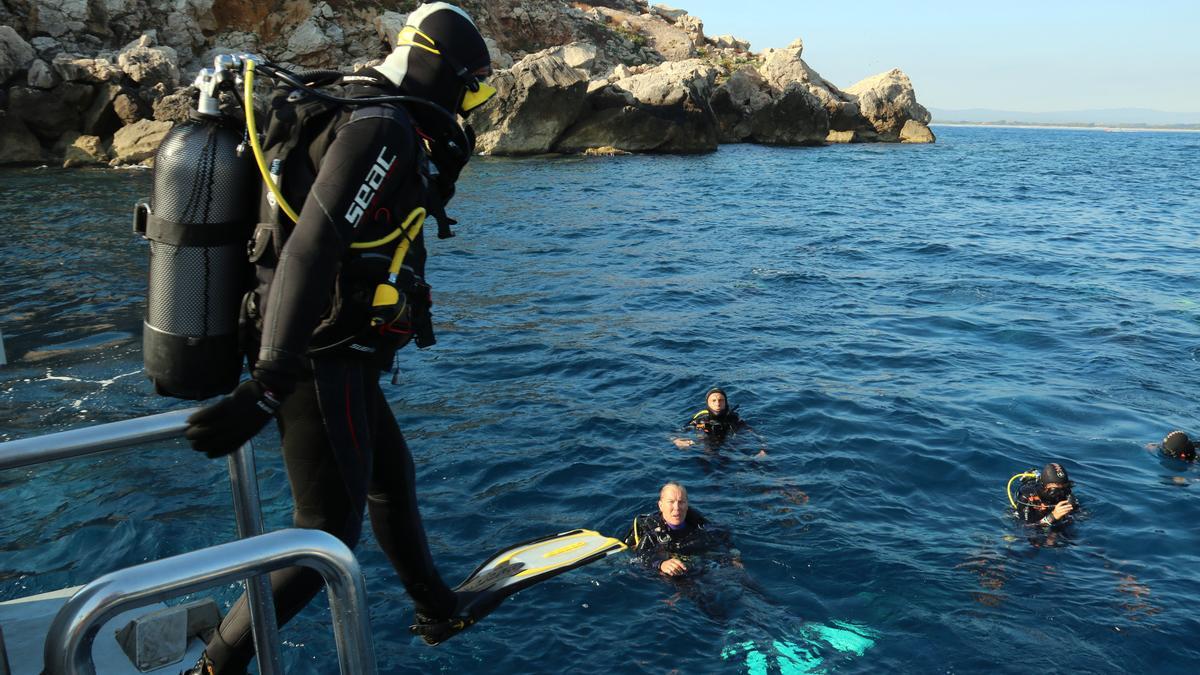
(342, 446)
(1032, 509)
(654, 542)
(716, 426)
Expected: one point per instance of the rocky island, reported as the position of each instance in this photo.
(87, 82)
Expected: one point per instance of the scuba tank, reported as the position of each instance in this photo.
(198, 221)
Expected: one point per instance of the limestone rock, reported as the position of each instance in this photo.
(694, 27)
(581, 55)
(797, 45)
(175, 107)
(138, 141)
(631, 6)
(537, 99)
(316, 42)
(736, 101)
(795, 117)
(16, 54)
(388, 25)
(84, 150)
(46, 47)
(59, 17)
(835, 136)
(664, 109)
(667, 12)
(916, 132)
(781, 67)
(50, 113)
(186, 25)
(730, 42)
(18, 145)
(148, 65)
(41, 75)
(500, 60)
(888, 101)
(75, 68)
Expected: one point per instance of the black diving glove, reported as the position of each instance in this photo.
(223, 427)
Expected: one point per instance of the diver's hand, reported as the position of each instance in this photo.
(220, 428)
(672, 567)
(682, 443)
(1061, 509)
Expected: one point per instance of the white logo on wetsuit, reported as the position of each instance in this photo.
(366, 191)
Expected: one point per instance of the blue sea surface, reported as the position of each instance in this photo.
(905, 327)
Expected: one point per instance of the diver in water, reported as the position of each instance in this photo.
(715, 422)
(362, 173)
(1046, 498)
(669, 541)
(1177, 445)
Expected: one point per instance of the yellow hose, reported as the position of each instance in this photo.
(1008, 488)
(252, 132)
(410, 230)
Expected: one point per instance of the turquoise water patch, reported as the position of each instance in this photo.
(799, 658)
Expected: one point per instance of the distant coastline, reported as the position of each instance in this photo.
(1087, 126)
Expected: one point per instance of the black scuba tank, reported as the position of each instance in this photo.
(199, 219)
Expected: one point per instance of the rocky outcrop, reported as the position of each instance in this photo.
(916, 132)
(749, 109)
(536, 100)
(15, 53)
(623, 75)
(782, 67)
(82, 150)
(18, 145)
(664, 109)
(137, 142)
(888, 102)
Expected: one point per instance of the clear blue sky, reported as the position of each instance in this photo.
(1021, 55)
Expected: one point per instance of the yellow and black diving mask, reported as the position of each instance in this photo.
(478, 92)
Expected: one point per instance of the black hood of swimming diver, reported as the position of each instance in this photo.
(435, 58)
(1054, 473)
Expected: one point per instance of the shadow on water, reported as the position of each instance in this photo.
(903, 342)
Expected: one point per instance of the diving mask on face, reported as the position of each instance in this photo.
(1055, 495)
(476, 96)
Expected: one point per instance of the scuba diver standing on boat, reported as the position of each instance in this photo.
(333, 304)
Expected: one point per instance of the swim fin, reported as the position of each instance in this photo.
(513, 569)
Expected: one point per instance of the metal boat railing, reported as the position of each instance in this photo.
(195, 568)
(69, 643)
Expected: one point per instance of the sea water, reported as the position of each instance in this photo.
(905, 327)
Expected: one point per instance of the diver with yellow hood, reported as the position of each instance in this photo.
(339, 258)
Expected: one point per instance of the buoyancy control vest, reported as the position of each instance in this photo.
(299, 131)
(716, 425)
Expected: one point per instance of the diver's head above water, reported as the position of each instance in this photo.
(1178, 445)
(716, 401)
(673, 504)
(1053, 483)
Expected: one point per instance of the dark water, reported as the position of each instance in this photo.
(906, 326)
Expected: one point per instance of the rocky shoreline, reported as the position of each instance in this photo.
(94, 82)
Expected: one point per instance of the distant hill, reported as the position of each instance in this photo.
(1109, 117)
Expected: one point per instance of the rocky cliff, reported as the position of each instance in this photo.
(100, 81)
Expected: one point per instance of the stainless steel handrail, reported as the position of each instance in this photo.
(69, 642)
(243, 480)
(92, 440)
